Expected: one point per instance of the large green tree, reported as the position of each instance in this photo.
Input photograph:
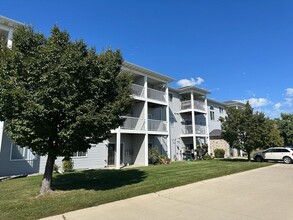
(57, 96)
(286, 128)
(248, 130)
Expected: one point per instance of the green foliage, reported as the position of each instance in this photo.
(246, 130)
(68, 165)
(154, 155)
(219, 153)
(55, 168)
(207, 157)
(156, 158)
(201, 150)
(286, 128)
(57, 96)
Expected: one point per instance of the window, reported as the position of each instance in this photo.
(21, 153)
(172, 121)
(188, 122)
(211, 108)
(221, 110)
(170, 97)
(150, 145)
(79, 154)
(212, 115)
(282, 150)
(3, 35)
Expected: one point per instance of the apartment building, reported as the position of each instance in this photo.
(216, 110)
(188, 121)
(6, 29)
(175, 121)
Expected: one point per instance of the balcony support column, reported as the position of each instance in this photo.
(207, 126)
(9, 40)
(146, 139)
(168, 124)
(193, 120)
(118, 148)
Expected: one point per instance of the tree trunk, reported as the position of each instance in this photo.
(47, 178)
(248, 156)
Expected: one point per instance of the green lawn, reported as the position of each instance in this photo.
(20, 199)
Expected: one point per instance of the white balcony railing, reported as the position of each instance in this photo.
(132, 123)
(187, 129)
(185, 105)
(198, 105)
(157, 95)
(138, 91)
(199, 129)
(157, 125)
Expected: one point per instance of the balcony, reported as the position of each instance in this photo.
(198, 105)
(157, 95)
(199, 129)
(132, 123)
(157, 125)
(138, 91)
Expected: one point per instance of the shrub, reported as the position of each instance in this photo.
(219, 153)
(207, 157)
(163, 159)
(201, 151)
(154, 155)
(67, 165)
(55, 168)
(156, 158)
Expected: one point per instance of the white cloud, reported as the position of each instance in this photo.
(277, 106)
(190, 82)
(258, 102)
(289, 92)
(288, 101)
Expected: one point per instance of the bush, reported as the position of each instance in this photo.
(55, 168)
(201, 151)
(156, 158)
(154, 155)
(67, 165)
(207, 157)
(219, 153)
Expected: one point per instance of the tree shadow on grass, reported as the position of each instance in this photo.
(97, 179)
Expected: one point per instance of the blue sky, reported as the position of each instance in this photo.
(237, 49)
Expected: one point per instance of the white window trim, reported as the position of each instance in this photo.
(77, 157)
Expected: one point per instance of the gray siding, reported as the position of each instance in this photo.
(138, 144)
(96, 158)
(215, 124)
(175, 128)
(15, 167)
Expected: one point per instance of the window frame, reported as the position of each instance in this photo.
(25, 152)
(77, 156)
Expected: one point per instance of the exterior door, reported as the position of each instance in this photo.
(112, 153)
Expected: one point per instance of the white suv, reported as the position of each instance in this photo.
(275, 153)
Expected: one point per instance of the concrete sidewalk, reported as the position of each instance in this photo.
(264, 193)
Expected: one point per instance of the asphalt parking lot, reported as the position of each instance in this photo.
(264, 193)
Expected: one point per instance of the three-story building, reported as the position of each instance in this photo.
(174, 121)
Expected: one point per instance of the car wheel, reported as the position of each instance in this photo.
(258, 159)
(287, 160)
